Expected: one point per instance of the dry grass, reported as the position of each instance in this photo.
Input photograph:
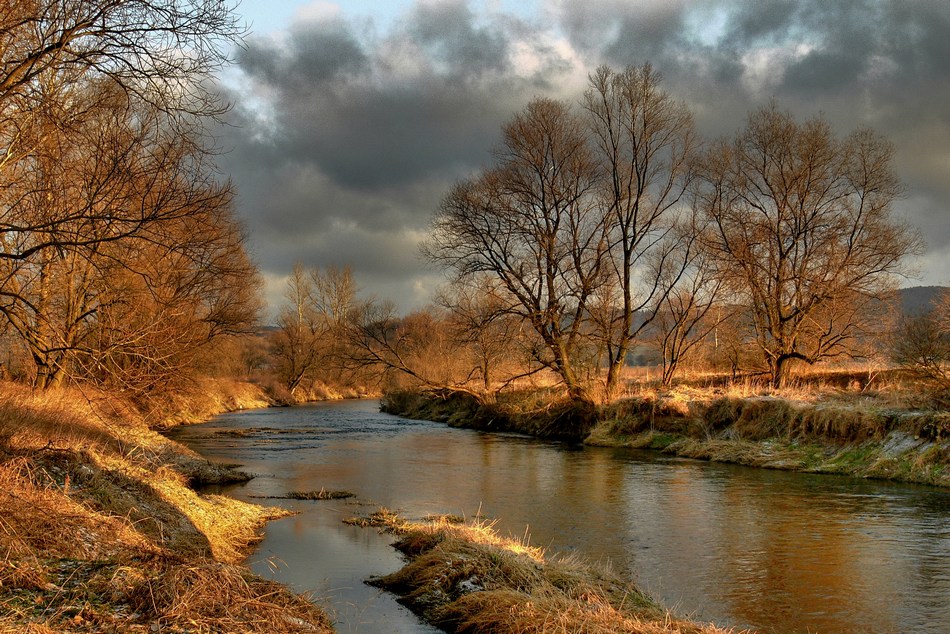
(836, 431)
(100, 531)
(206, 398)
(466, 578)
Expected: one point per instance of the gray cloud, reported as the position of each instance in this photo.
(345, 137)
(448, 33)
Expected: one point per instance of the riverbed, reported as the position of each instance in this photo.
(776, 551)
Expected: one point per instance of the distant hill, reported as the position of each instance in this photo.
(919, 299)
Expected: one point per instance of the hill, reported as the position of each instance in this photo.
(917, 300)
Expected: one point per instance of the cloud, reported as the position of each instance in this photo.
(345, 135)
(343, 139)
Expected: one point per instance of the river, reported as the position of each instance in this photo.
(780, 552)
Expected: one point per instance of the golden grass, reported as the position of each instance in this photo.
(862, 420)
(204, 399)
(100, 531)
(467, 578)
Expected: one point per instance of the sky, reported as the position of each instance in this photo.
(352, 119)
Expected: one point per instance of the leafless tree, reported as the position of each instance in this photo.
(120, 258)
(106, 196)
(310, 340)
(688, 310)
(480, 316)
(645, 148)
(533, 223)
(419, 349)
(162, 51)
(299, 331)
(802, 222)
(921, 343)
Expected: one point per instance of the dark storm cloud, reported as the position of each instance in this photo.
(313, 55)
(347, 136)
(857, 62)
(449, 33)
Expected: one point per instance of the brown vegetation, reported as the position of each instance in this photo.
(608, 231)
(101, 531)
(465, 578)
(121, 261)
(801, 222)
(878, 425)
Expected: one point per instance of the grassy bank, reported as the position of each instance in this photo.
(856, 432)
(465, 578)
(541, 413)
(101, 532)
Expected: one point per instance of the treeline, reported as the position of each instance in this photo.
(330, 342)
(121, 260)
(608, 230)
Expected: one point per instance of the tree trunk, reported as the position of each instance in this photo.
(780, 371)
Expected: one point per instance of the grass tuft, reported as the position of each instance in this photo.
(322, 494)
(467, 578)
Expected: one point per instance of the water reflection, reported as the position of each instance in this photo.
(782, 552)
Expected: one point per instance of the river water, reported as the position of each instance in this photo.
(780, 552)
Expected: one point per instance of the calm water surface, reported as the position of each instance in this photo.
(781, 552)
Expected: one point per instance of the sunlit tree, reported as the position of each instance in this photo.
(802, 221)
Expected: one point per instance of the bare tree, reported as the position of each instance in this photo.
(480, 317)
(922, 343)
(334, 294)
(533, 223)
(419, 349)
(645, 147)
(112, 208)
(120, 258)
(688, 310)
(310, 340)
(802, 221)
(299, 330)
(162, 51)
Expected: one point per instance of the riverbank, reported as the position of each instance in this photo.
(857, 434)
(465, 578)
(102, 530)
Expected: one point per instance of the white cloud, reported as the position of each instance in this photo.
(764, 67)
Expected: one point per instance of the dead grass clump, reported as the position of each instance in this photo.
(930, 425)
(158, 593)
(765, 417)
(381, 518)
(53, 419)
(467, 578)
(723, 412)
(41, 520)
(841, 423)
(200, 401)
(561, 420)
(635, 421)
(629, 416)
(753, 454)
(322, 494)
(218, 597)
(508, 612)
(24, 572)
